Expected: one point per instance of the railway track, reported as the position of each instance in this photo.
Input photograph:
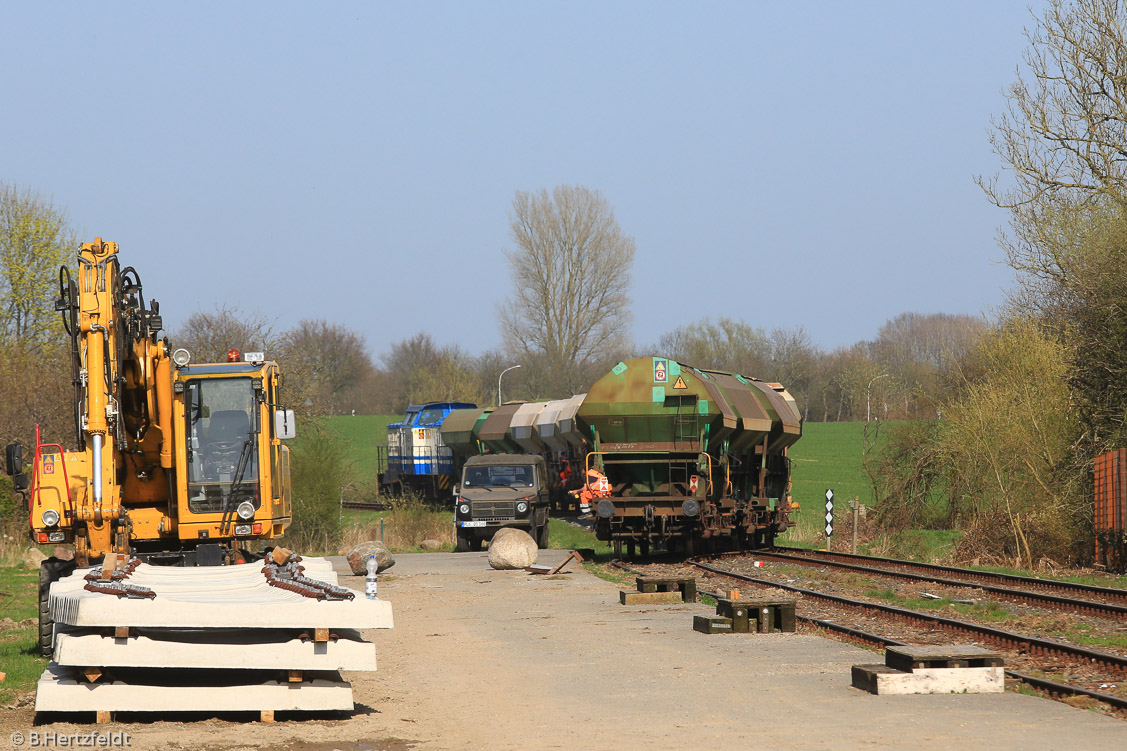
(1022, 644)
(366, 505)
(1110, 594)
(970, 579)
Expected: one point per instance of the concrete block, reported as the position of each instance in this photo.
(214, 597)
(886, 681)
(59, 691)
(650, 598)
(254, 649)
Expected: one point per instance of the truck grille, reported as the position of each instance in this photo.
(494, 510)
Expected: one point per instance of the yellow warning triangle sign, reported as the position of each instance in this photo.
(680, 383)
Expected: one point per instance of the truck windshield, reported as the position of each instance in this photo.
(222, 446)
(519, 475)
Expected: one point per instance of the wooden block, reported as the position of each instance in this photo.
(733, 594)
(712, 624)
(294, 676)
(91, 674)
(266, 715)
(122, 632)
(3, 676)
(280, 555)
(102, 716)
(320, 634)
(650, 598)
(912, 657)
(865, 676)
(686, 585)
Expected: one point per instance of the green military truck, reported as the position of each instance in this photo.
(501, 490)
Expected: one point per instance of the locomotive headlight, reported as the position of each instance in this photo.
(522, 507)
(50, 517)
(464, 509)
(691, 507)
(245, 510)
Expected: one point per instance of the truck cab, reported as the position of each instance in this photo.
(501, 490)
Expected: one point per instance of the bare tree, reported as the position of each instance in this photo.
(209, 336)
(326, 364)
(727, 344)
(571, 267)
(1064, 142)
(35, 240)
(1063, 139)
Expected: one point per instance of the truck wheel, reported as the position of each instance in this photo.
(542, 538)
(464, 544)
(50, 571)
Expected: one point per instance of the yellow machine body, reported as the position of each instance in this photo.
(168, 454)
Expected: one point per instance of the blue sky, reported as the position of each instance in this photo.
(785, 163)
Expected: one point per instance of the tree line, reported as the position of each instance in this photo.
(988, 425)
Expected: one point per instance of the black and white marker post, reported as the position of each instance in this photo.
(829, 517)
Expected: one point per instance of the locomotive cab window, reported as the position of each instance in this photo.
(678, 401)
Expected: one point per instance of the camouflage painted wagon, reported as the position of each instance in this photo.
(696, 458)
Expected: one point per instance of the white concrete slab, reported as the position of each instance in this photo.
(58, 691)
(214, 597)
(943, 681)
(253, 649)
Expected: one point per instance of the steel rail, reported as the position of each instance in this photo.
(1052, 688)
(1112, 593)
(1031, 598)
(1029, 644)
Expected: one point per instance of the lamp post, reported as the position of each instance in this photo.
(868, 389)
(503, 372)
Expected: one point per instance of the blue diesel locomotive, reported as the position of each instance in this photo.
(418, 461)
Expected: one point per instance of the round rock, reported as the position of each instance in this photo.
(511, 548)
(357, 557)
(430, 544)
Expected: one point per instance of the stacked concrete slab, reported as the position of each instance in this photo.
(209, 639)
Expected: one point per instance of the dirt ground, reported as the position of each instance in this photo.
(507, 660)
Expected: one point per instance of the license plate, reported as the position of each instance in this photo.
(242, 529)
(473, 524)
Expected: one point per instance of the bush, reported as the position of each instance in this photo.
(319, 469)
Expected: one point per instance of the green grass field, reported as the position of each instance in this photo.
(363, 434)
(19, 646)
(827, 456)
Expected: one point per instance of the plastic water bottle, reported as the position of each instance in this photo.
(370, 581)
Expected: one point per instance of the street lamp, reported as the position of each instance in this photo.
(867, 389)
(503, 372)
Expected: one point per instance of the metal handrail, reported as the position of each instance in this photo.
(587, 463)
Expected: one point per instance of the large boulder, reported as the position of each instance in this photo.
(512, 548)
(357, 557)
(430, 544)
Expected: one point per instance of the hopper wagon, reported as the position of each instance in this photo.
(546, 429)
(696, 459)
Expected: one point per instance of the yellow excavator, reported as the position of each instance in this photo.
(175, 463)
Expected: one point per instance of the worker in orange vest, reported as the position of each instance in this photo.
(597, 486)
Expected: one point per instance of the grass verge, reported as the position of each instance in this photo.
(19, 645)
